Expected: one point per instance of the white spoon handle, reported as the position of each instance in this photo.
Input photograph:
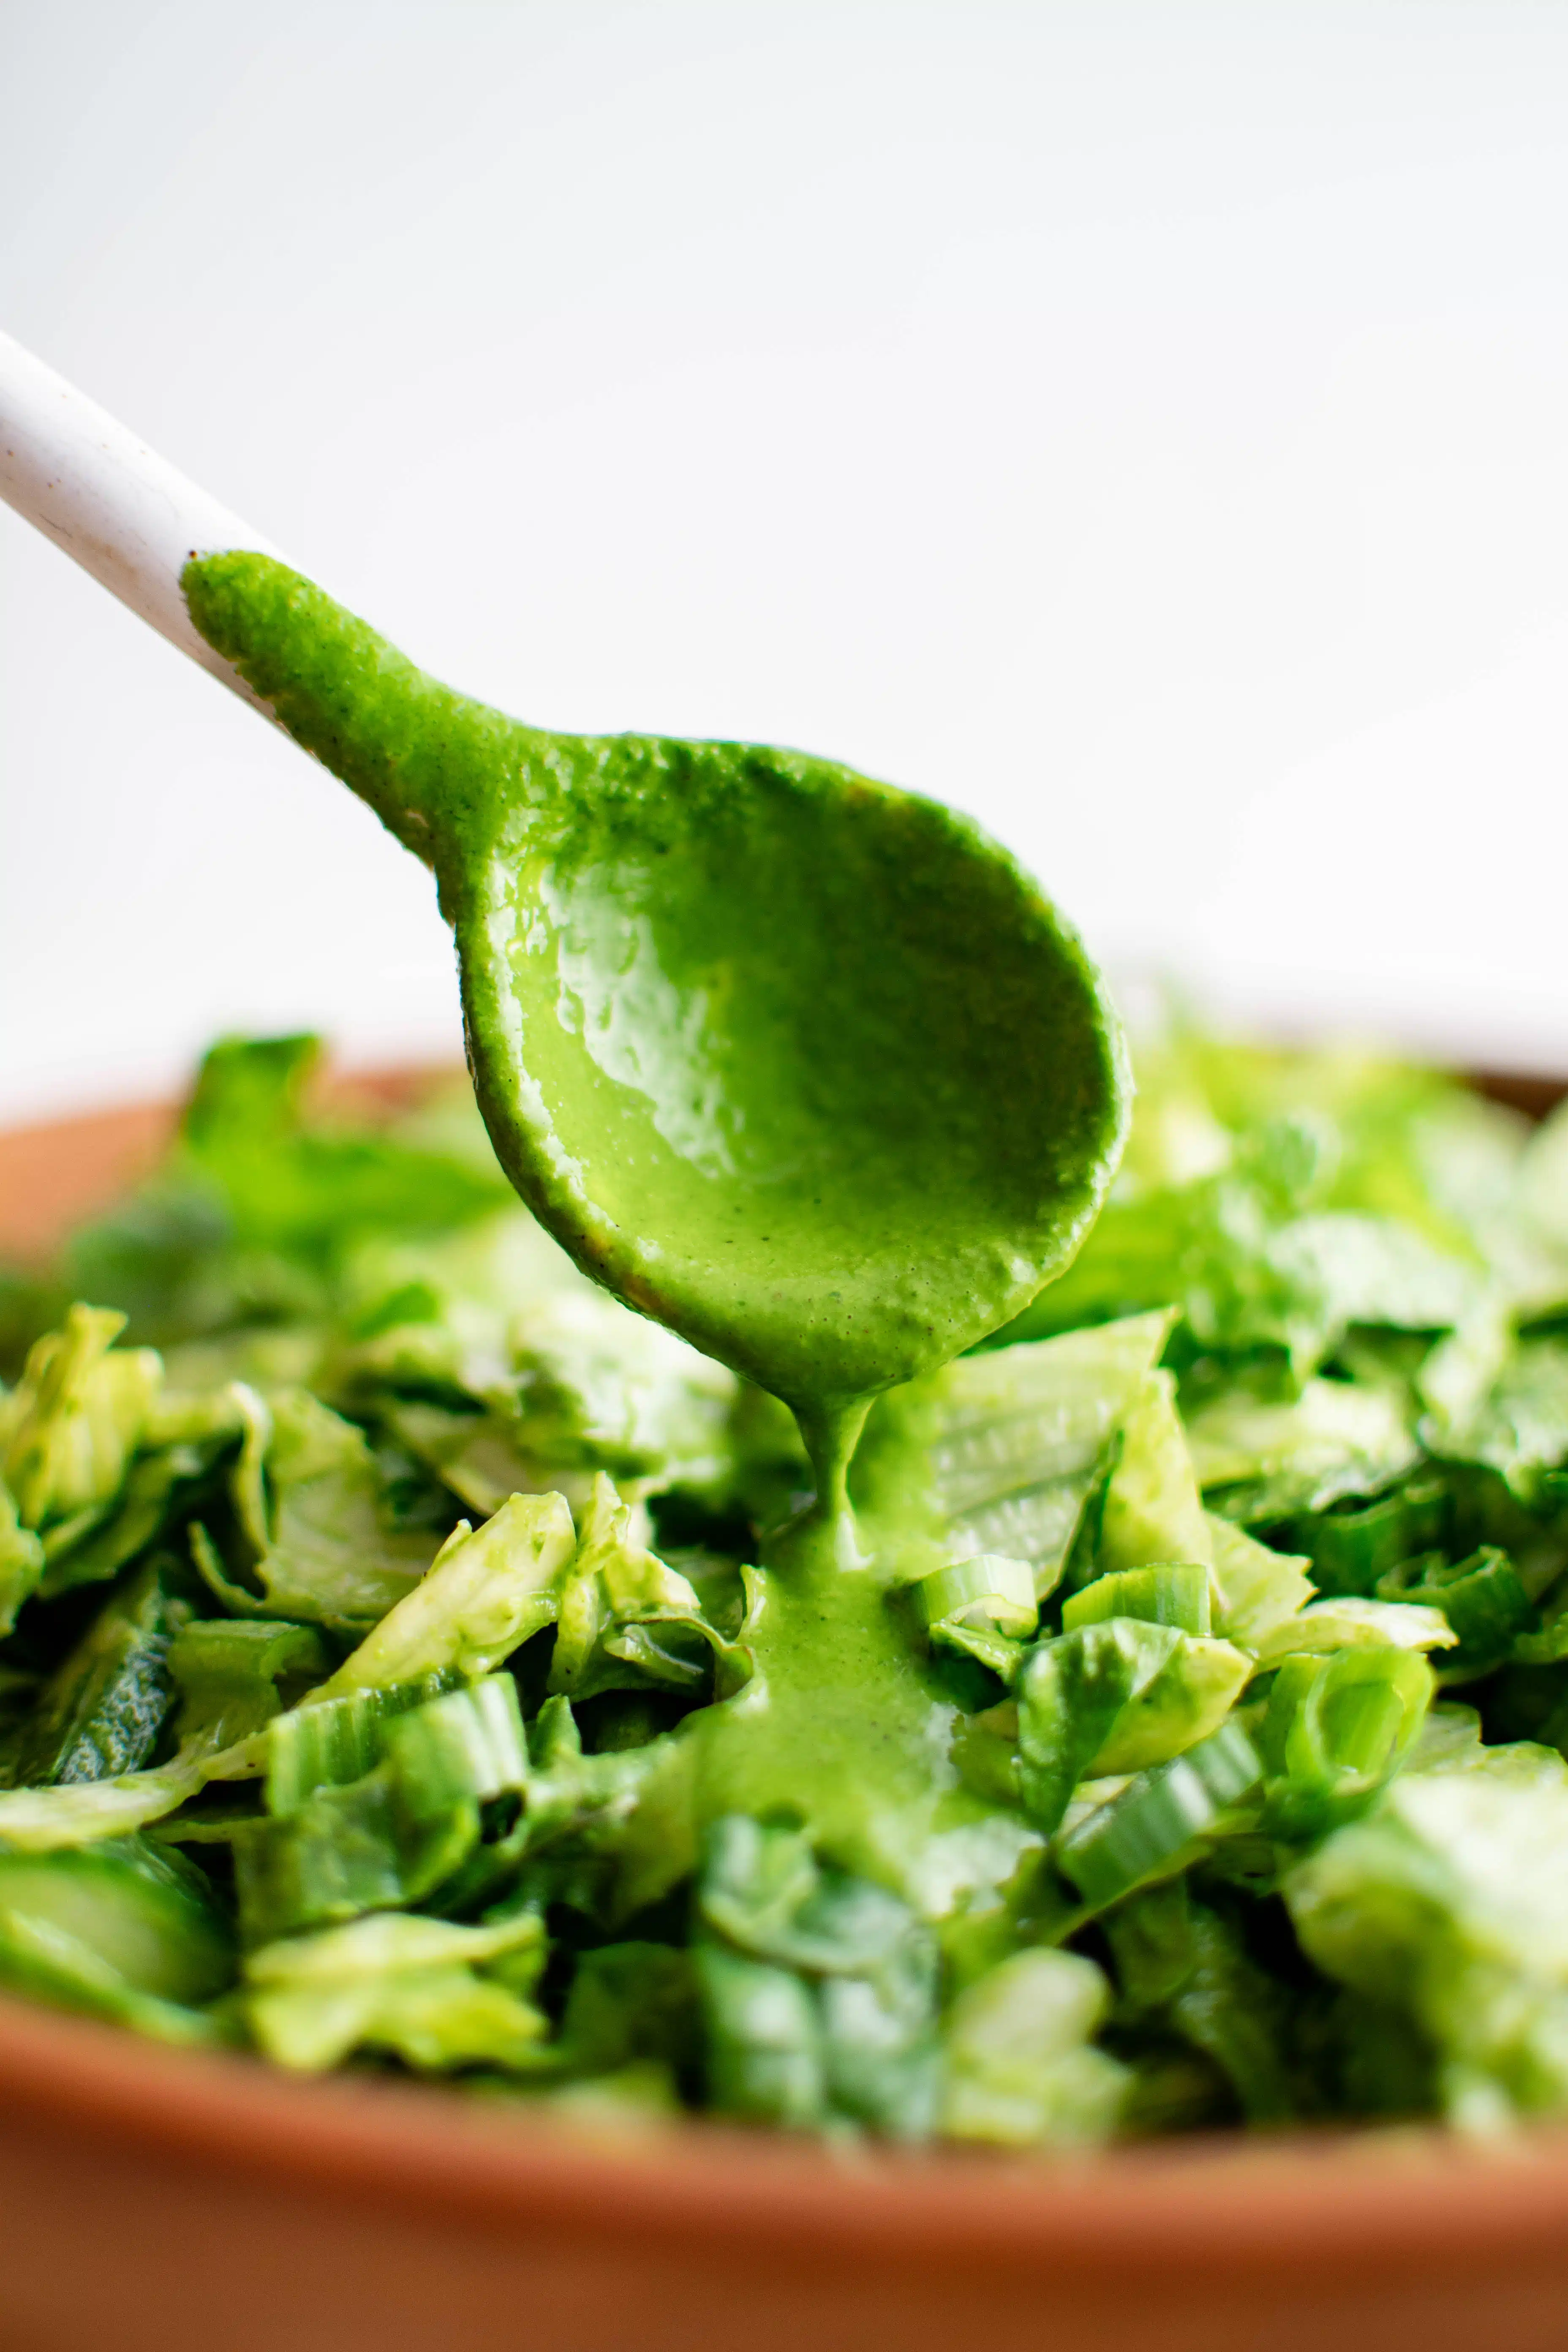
(119, 511)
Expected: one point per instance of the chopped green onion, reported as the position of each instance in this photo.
(326, 1743)
(1167, 1592)
(991, 1587)
(1338, 1728)
(47, 1821)
(983, 1608)
(1153, 1825)
(1350, 1549)
(1483, 1599)
(467, 1747)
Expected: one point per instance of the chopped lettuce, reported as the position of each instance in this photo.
(509, 1371)
(1185, 1971)
(69, 1427)
(1518, 1421)
(625, 1619)
(235, 1674)
(1282, 1200)
(310, 1535)
(818, 1988)
(1448, 1906)
(423, 1989)
(487, 1590)
(1012, 1443)
(1020, 2067)
(1350, 1623)
(265, 1195)
(100, 1712)
(356, 1651)
(1257, 1591)
(1268, 1460)
(1257, 1264)
(1153, 1508)
(1115, 1696)
(118, 1930)
(1162, 1819)
(21, 1560)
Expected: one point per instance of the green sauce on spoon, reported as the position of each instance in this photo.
(802, 1066)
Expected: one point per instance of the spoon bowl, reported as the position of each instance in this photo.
(802, 1065)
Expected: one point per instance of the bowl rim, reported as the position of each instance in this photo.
(1375, 2200)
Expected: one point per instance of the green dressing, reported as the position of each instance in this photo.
(802, 1066)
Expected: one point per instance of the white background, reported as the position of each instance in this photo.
(1144, 425)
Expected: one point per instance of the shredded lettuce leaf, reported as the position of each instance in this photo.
(423, 1989)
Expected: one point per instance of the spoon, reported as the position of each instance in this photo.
(804, 1067)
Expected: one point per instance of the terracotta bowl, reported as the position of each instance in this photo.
(163, 2201)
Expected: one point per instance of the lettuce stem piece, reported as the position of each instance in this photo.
(1350, 1622)
(325, 1743)
(344, 1850)
(42, 1820)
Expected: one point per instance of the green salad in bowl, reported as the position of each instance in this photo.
(401, 1668)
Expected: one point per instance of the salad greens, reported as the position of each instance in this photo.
(393, 1672)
